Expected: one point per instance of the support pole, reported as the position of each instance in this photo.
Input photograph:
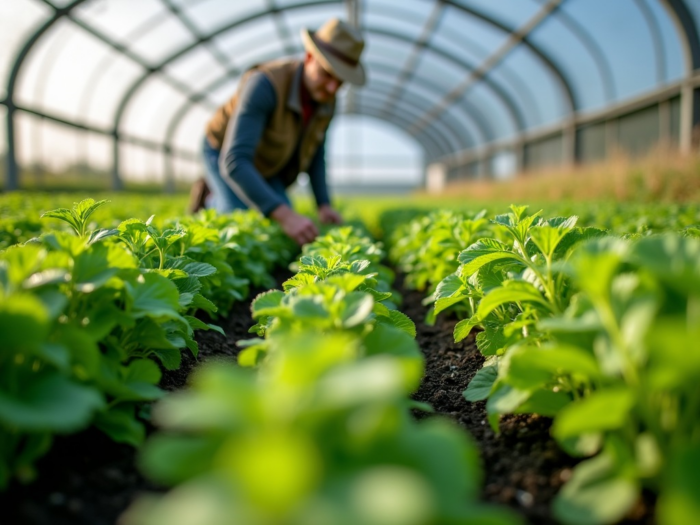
(117, 184)
(569, 144)
(664, 123)
(169, 170)
(686, 120)
(11, 168)
(353, 9)
(519, 152)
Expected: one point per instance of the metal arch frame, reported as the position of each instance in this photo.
(431, 144)
(182, 111)
(485, 131)
(689, 35)
(603, 65)
(198, 97)
(655, 31)
(58, 14)
(478, 120)
(431, 147)
(215, 51)
(511, 108)
(412, 99)
(518, 84)
(283, 32)
(142, 29)
(504, 97)
(548, 61)
(169, 175)
(44, 68)
(438, 135)
(124, 50)
(100, 131)
(126, 97)
(86, 98)
(688, 31)
(409, 66)
(202, 39)
(481, 73)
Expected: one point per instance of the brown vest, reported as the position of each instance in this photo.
(284, 131)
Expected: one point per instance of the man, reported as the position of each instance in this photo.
(274, 127)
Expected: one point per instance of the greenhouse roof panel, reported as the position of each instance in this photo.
(482, 69)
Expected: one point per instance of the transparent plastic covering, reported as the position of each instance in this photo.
(124, 85)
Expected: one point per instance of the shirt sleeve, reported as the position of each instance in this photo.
(317, 176)
(256, 103)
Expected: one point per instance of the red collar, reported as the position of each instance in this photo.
(308, 105)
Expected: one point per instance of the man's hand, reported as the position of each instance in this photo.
(328, 215)
(300, 228)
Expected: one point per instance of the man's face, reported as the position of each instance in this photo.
(322, 85)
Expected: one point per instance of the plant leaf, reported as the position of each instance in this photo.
(51, 402)
(597, 493)
(602, 410)
(480, 386)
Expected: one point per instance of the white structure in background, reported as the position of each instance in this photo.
(435, 177)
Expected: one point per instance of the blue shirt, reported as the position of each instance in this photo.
(256, 104)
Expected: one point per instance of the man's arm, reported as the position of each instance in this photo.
(317, 178)
(256, 103)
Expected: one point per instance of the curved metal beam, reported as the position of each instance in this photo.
(510, 105)
(431, 144)
(602, 63)
(437, 137)
(12, 176)
(686, 25)
(470, 110)
(512, 78)
(479, 121)
(180, 113)
(546, 59)
(139, 81)
(89, 90)
(441, 138)
(514, 39)
(409, 67)
(428, 143)
(655, 31)
(414, 100)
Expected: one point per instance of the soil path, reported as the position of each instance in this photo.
(523, 466)
(86, 479)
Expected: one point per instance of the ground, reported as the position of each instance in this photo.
(86, 479)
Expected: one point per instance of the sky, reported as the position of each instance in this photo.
(71, 74)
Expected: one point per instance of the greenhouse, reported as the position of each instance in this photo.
(349, 262)
(129, 90)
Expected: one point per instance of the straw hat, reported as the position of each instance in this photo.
(338, 46)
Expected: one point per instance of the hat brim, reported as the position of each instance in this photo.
(353, 74)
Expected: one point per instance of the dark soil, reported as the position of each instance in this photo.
(523, 466)
(86, 479)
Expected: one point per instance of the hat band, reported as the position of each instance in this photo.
(333, 51)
